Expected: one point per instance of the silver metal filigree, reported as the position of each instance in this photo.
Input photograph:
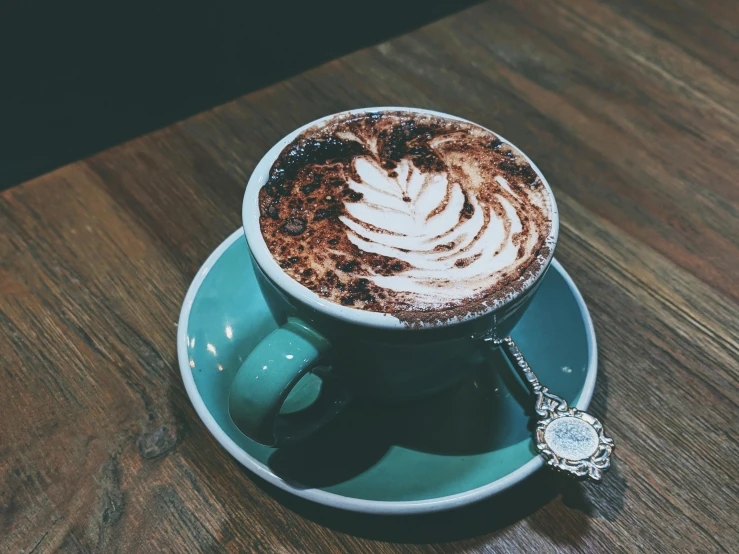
(568, 439)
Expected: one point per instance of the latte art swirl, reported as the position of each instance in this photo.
(407, 213)
(418, 218)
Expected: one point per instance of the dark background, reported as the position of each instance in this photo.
(79, 77)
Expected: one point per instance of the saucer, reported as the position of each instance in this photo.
(458, 447)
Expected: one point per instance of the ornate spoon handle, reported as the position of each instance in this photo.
(568, 439)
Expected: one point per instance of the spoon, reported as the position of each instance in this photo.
(570, 440)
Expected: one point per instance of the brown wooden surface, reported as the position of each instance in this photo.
(631, 109)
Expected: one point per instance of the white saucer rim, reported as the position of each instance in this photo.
(404, 507)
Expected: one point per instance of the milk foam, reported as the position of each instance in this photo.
(416, 217)
(407, 213)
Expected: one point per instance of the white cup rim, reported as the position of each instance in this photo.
(263, 257)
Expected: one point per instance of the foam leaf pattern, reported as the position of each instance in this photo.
(417, 217)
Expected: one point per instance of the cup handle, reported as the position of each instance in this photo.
(271, 372)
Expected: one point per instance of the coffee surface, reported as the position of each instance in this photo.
(424, 217)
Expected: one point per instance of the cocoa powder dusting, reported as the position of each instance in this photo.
(310, 186)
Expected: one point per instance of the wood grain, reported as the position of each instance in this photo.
(629, 108)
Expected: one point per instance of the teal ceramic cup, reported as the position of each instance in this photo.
(302, 374)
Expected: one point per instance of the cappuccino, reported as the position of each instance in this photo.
(425, 217)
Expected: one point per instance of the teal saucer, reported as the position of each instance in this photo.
(463, 445)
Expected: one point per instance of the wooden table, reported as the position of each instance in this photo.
(631, 109)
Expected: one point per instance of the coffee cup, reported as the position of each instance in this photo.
(276, 396)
